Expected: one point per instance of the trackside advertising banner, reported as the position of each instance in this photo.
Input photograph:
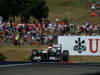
(81, 45)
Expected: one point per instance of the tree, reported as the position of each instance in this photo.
(39, 9)
(24, 8)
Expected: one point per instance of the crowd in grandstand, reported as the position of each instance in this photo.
(27, 34)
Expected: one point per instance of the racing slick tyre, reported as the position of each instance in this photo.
(65, 55)
(34, 53)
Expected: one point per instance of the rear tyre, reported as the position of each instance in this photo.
(65, 55)
(34, 53)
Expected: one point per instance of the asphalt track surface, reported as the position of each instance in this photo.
(51, 69)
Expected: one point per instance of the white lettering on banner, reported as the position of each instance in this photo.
(81, 45)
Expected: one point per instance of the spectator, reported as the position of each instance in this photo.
(93, 14)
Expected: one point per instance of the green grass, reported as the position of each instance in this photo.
(85, 58)
(68, 8)
(16, 53)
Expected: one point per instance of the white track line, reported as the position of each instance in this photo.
(11, 65)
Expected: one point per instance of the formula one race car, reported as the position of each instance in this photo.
(52, 53)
